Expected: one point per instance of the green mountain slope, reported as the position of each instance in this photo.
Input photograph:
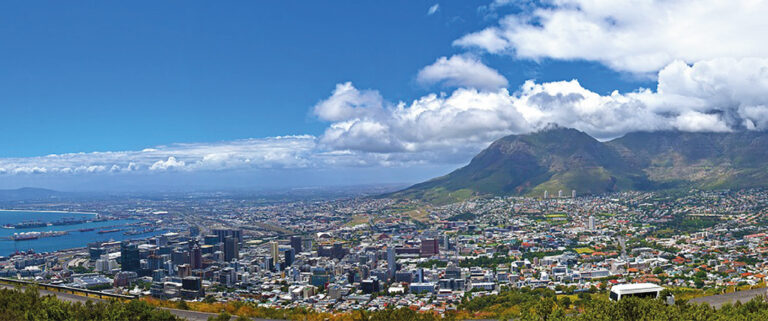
(567, 159)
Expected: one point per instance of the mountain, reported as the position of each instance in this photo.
(567, 159)
(28, 193)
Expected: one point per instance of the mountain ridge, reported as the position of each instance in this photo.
(567, 159)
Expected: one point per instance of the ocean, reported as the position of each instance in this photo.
(74, 239)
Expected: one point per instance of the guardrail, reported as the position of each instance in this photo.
(67, 289)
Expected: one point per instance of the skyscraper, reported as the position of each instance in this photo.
(573, 193)
(196, 257)
(591, 224)
(546, 194)
(274, 251)
(391, 261)
(296, 243)
(231, 249)
(129, 257)
(222, 233)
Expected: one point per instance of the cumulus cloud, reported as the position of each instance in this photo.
(715, 95)
(347, 102)
(461, 71)
(433, 9)
(638, 36)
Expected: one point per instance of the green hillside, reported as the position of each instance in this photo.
(567, 159)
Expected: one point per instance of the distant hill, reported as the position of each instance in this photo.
(29, 193)
(567, 159)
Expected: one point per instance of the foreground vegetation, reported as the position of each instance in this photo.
(28, 304)
(518, 304)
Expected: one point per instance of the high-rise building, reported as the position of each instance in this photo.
(337, 251)
(546, 194)
(191, 287)
(591, 224)
(296, 243)
(274, 251)
(289, 255)
(231, 249)
(573, 193)
(196, 258)
(560, 194)
(129, 257)
(391, 261)
(429, 247)
(222, 233)
(179, 257)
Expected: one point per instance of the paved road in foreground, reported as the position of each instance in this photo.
(719, 300)
(189, 315)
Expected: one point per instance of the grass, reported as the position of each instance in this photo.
(584, 250)
(420, 215)
(358, 219)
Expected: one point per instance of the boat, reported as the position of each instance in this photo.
(25, 236)
(28, 224)
(86, 229)
(109, 231)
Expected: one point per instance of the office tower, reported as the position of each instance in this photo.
(591, 223)
(296, 243)
(179, 257)
(129, 257)
(289, 255)
(196, 258)
(95, 251)
(231, 249)
(274, 251)
(191, 287)
(338, 252)
(391, 261)
(429, 247)
(154, 262)
(222, 233)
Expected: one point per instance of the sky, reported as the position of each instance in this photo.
(98, 95)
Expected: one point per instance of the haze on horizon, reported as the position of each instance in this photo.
(195, 95)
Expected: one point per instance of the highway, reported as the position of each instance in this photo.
(189, 315)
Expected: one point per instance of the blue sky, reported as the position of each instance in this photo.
(81, 80)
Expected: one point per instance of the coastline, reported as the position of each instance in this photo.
(49, 211)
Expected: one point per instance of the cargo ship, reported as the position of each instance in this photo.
(25, 236)
(28, 224)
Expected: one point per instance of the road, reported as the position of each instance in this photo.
(719, 300)
(189, 315)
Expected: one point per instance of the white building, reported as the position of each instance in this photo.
(642, 290)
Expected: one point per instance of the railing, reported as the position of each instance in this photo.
(67, 289)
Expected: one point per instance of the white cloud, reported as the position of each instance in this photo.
(348, 102)
(714, 95)
(433, 9)
(640, 36)
(461, 71)
(170, 163)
